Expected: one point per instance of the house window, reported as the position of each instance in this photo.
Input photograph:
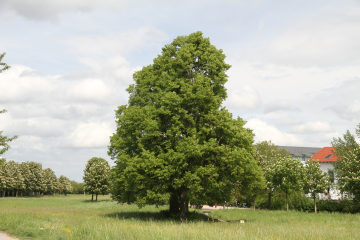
(328, 156)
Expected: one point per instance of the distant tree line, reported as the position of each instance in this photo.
(28, 178)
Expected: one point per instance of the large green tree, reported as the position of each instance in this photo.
(174, 139)
(97, 177)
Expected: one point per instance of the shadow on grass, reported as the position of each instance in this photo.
(98, 201)
(159, 216)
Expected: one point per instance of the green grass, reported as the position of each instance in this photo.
(71, 217)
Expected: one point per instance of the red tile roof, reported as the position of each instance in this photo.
(325, 151)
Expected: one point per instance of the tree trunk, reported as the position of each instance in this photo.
(96, 198)
(287, 202)
(29, 193)
(254, 197)
(269, 206)
(174, 203)
(92, 197)
(183, 202)
(16, 193)
(21, 193)
(315, 203)
(3, 194)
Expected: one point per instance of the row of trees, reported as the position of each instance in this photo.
(286, 174)
(30, 177)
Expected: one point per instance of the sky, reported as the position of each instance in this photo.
(295, 75)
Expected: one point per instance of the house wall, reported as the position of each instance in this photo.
(335, 194)
(325, 167)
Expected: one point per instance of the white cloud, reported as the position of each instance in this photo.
(348, 112)
(287, 122)
(311, 127)
(22, 84)
(91, 90)
(280, 104)
(116, 43)
(266, 132)
(327, 41)
(89, 135)
(116, 67)
(49, 10)
(323, 139)
(245, 98)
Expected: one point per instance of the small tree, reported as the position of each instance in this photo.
(288, 174)
(343, 147)
(16, 178)
(97, 177)
(267, 153)
(33, 177)
(65, 184)
(315, 181)
(3, 176)
(51, 182)
(351, 172)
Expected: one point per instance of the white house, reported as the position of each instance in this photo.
(326, 159)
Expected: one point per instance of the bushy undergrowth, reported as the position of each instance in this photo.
(299, 202)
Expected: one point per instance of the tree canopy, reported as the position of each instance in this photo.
(267, 153)
(174, 139)
(342, 148)
(315, 181)
(97, 177)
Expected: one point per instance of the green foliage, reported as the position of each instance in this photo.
(33, 176)
(315, 181)
(77, 187)
(65, 184)
(4, 139)
(174, 140)
(267, 154)
(16, 180)
(3, 66)
(351, 172)
(51, 182)
(288, 175)
(97, 176)
(342, 147)
(30, 177)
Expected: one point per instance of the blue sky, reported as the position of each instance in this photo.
(295, 69)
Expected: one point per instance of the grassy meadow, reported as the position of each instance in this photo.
(72, 217)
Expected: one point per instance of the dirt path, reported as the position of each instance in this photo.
(5, 236)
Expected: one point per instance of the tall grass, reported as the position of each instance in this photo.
(72, 217)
